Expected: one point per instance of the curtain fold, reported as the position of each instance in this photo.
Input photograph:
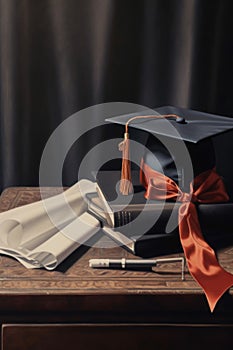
(60, 56)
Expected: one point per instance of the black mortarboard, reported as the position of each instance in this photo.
(167, 130)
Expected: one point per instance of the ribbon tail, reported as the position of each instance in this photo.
(201, 259)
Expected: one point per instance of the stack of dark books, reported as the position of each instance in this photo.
(150, 228)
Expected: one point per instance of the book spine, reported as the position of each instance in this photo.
(154, 223)
(124, 217)
(209, 224)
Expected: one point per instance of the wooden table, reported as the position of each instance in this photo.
(76, 307)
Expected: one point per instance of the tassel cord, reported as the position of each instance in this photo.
(126, 186)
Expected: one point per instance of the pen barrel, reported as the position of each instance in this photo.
(137, 264)
(121, 263)
(134, 263)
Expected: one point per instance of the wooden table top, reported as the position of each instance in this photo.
(152, 292)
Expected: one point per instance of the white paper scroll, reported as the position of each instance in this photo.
(44, 233)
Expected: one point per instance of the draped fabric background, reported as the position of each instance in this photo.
(60, 56)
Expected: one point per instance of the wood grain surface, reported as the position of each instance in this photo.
(76, 290)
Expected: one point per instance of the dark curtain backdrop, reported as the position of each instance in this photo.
(60, 56)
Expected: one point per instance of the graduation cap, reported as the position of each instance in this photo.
(163, 164)
(168, 130)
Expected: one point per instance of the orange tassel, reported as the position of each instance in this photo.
(126, 186)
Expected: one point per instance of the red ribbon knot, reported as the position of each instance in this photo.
(207, 187)
(186, 197)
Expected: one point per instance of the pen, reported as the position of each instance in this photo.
(134, 263)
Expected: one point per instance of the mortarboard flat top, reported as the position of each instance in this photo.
(198, 126)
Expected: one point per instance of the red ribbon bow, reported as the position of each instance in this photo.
(207, 187)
